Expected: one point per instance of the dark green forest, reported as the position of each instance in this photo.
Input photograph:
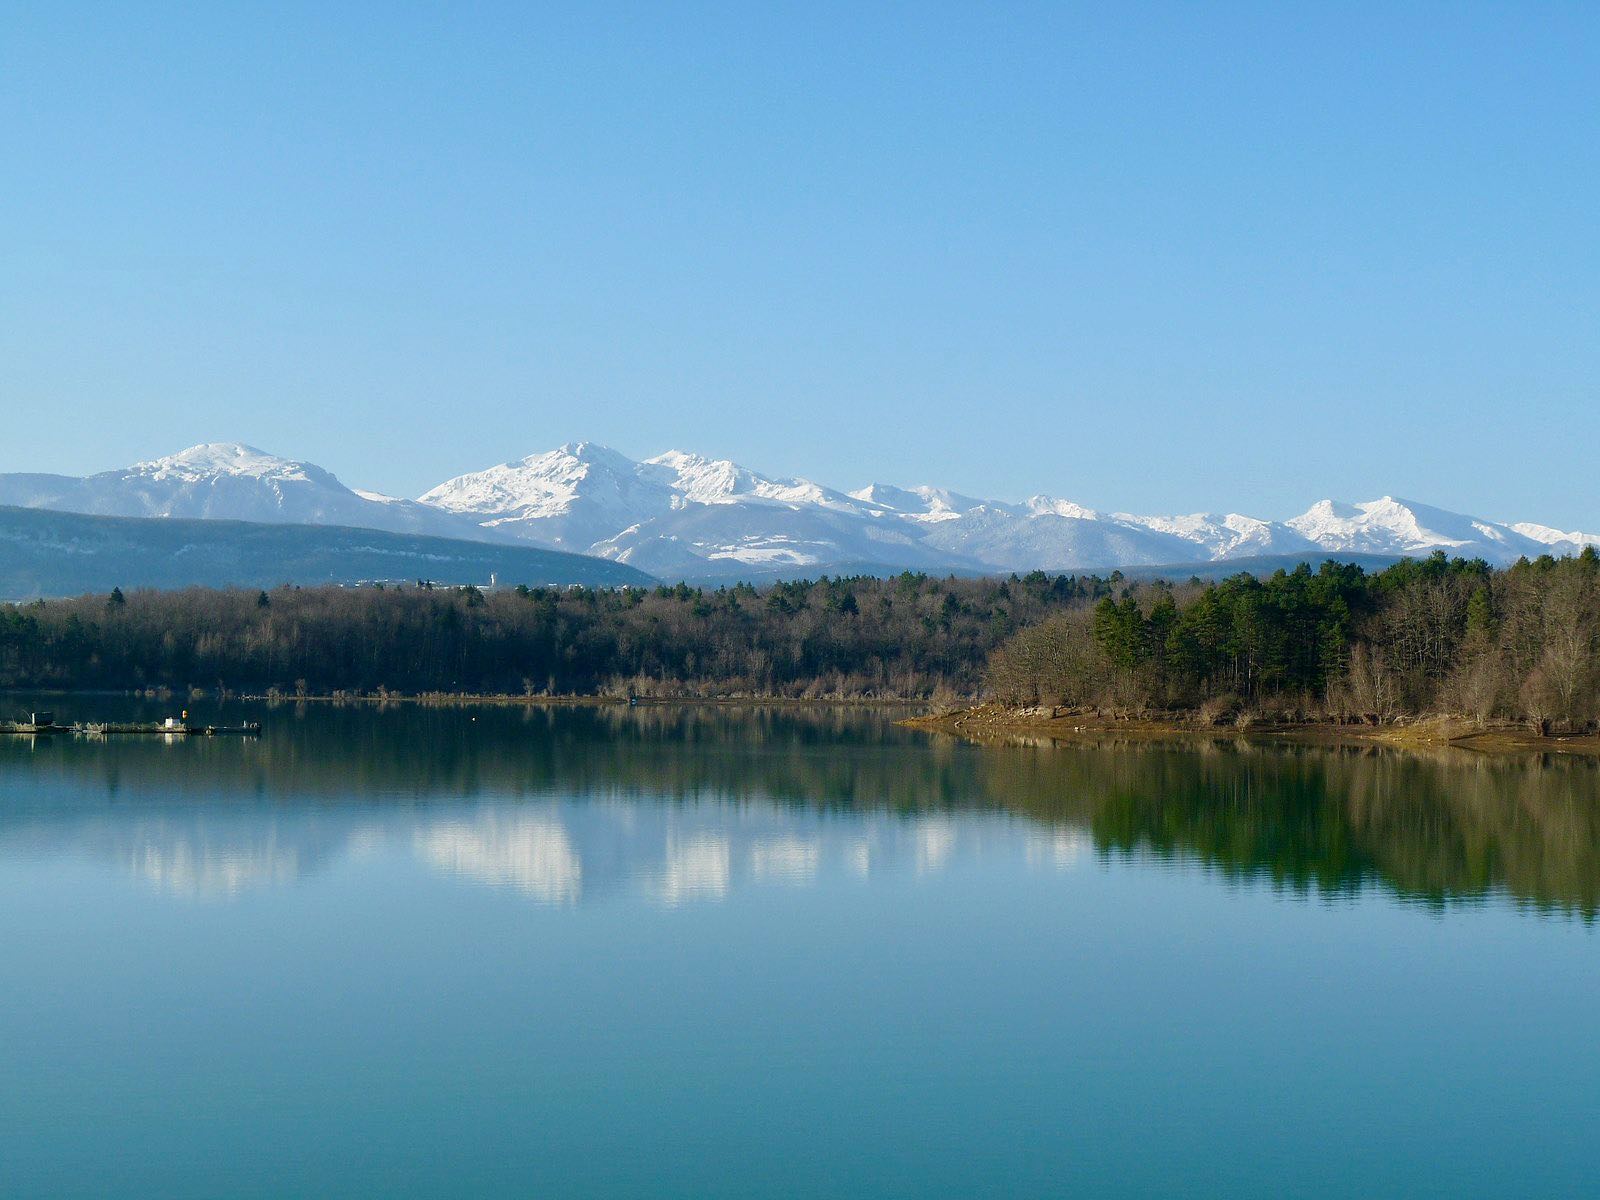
(1435, 636)
(1420, 637)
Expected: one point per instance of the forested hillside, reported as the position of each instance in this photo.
(1435, 636)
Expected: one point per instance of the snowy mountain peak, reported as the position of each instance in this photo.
(883, 494)
(572, 498)
(541, 485)
(230, 481)
(683, 460)
(211, 460)
(922, 503)
(700, 480)
(1327, 510)
(1225, 535)
(1392, 525)
(595, 453)
(566, 464)
(572, 461)
(1049, 506)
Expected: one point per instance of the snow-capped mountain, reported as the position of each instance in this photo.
(682, 515)
(1561, 542)
(229, 481)
(1391, 526)
(571, 498)
(1228, 535)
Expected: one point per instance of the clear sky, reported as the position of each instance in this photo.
(1156, 258)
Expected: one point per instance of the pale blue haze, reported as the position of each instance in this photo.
(1156, 257)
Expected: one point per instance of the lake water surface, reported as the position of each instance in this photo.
(706, 952)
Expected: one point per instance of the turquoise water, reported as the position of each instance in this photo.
(710, 952)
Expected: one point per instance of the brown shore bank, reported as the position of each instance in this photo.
(994, 722)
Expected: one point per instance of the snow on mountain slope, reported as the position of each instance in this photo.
(678, 512)
(1043, 529)
(713, 539)
(1049, 506)
(571, 497)
(918, 503)
(229, 481)
(684, 515)
(1021, 538)
(200, 464)
(681, 513)
(700, 480)
(1393, 526)
(1228, 535)
(1559, 542)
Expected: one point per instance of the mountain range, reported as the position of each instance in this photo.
(682, 515)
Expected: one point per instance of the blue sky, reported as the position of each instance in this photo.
(1157, 258)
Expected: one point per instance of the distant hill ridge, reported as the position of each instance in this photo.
(682, 515)
(46, 553)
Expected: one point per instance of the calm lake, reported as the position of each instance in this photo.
(702, 951)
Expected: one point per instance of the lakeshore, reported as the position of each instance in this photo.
(981, 723)
(994, 722)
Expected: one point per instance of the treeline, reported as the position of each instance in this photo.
(1421, 637)
(1437, 636)
(910, 636)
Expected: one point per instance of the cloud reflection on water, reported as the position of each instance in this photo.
(532, 854)
(786, 859)
(696, 868)
(183, 869)
(571, 852)
(1059, 848)
(556, 853)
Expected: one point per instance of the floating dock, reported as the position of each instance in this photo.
(44, 725)
(105, 729)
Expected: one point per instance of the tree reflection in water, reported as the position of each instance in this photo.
(689, 800)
